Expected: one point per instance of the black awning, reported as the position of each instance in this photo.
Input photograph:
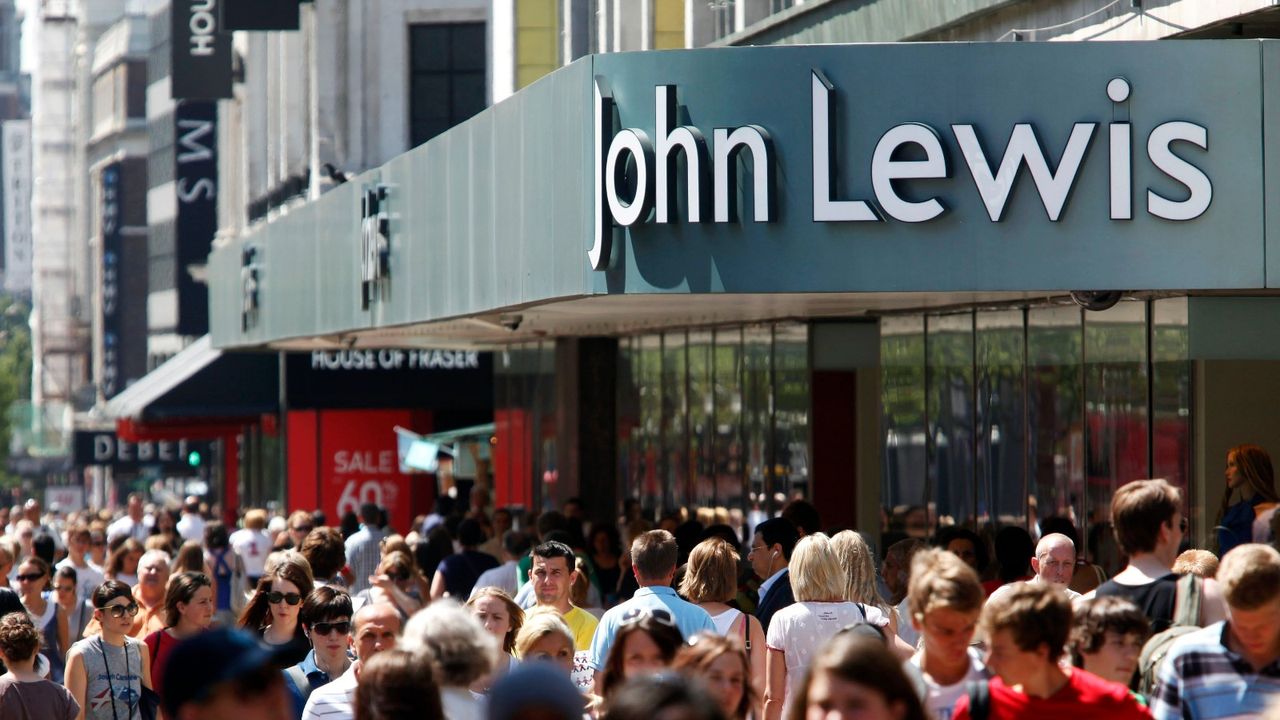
(202, 382)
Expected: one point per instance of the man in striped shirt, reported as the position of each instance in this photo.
(377, 628)
(1230, 669)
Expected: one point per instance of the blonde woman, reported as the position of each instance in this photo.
(860, 574)
(797, 632)
(710, 582)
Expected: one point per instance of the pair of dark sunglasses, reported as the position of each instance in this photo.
(275, 598)
(341, 627)
(29, 577)
(119, 611)
(398, 577)
(303, 528)
(635, 615)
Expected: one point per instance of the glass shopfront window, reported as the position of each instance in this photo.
(712, 423)
(1012, 416)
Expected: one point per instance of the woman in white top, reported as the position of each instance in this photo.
(798, 631)
(711, 581)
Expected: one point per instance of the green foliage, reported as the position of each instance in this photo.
(15, 370)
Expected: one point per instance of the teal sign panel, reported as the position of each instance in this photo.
(841, 168)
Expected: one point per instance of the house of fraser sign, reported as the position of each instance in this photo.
(636, 175)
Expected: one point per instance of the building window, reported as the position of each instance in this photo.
(447, 78)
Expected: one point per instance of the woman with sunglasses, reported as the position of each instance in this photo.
(79, 611)
(107, 672)
(188, 609)
(326, 619)
(646, 643)
(273, 611)
(33, 582)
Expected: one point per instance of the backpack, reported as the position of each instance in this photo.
(979, 692)
(1186, 619)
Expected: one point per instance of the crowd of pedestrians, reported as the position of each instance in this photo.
(470, 615)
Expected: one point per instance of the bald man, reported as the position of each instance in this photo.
(1053, 565)
(377, 628)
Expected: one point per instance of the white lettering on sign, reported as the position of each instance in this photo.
(635, 176)
(393, 359)
(109, 448)
(204, 25)
(194, 146)
(365, 462)
(653, 175)
(370, 491)
(1054, 185)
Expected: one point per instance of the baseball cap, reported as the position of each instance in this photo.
(201, 662)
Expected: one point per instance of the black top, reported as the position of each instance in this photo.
(1156, 600)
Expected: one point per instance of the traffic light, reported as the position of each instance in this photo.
(194, 459)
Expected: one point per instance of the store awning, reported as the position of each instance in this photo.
(202, 382)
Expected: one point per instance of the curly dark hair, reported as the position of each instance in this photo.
(1095, 618)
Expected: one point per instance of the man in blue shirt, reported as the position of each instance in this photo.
(653, 562)
(326, 619)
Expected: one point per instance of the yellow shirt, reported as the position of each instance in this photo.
(583, 626)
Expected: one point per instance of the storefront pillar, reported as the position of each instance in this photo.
(846, 407)
(586, 419)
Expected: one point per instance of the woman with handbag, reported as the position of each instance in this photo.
(108, 674)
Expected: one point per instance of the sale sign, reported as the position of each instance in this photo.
(341, 459)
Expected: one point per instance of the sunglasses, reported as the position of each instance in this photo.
(341, 627)
(119, 611)
(398, 577)
(635, 615)
(275, 598)
(98, 543)
(303, 528)
(29, 577)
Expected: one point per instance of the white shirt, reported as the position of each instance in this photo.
(88, 578)
(906, 630)
(333, 701)
(128, 527)
(800, 630)
(460, 704)
(768, 583)
(191, 527)
(252, 546)
(502, 577)
(940, 700)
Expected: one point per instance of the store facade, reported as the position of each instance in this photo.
(738, 275)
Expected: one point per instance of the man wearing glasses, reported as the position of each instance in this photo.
(1149, 526)
(153, 579)
(326, 620)
(653, 562)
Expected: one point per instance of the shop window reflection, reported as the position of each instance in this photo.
(728, 413)
(904, 466)
(950, 348)
(1056, 411)
(1171, 399)
(791, 411)
(760, 468)
(675, 413)
(1002, 438)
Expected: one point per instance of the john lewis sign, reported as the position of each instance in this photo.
(647, 167)
(929, 167)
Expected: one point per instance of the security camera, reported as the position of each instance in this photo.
(510, 322)
(1096, 300)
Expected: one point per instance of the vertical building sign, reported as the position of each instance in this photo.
(15, 150)
(112, 252)
(196, 157)
(201, 51)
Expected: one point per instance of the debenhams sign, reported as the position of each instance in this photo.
(636, 174)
